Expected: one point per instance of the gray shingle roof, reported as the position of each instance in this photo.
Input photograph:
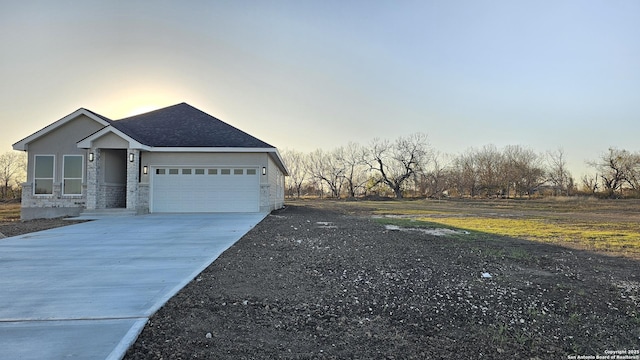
(98, 115)
(182, 125)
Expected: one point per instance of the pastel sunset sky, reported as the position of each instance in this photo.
(317, 74)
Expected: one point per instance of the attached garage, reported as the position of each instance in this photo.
(205, 189)
(177, 159)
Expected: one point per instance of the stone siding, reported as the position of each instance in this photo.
(133, 179)
(265, 205)
(50, 206)
(143, 198)
(94, 171)
(114, 195)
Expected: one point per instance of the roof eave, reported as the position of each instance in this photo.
(275, 155)
(211, 149)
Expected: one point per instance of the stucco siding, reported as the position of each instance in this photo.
(58, 142)
(201, 159)
(276, 186)
(115, 166)
(61, 141)
(110, 141)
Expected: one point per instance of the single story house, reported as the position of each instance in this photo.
(173, 160)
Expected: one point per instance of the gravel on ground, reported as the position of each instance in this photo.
(315, 282)
(311, 283)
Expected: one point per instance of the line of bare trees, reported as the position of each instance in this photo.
(410, 166)
(13, 166)
(356, 170)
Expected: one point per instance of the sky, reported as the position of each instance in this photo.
(304, 75)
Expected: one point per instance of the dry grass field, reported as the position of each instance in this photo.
(609, 226)
(9, 211)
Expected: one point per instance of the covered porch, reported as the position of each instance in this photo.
(114, 172)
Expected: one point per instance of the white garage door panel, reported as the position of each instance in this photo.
(208, 192)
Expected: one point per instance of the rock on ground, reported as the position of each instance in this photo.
(316, 283)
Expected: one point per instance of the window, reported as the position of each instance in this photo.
(161, 171)
(199, 171)
(238, 172)
(43, 177)
(251, 171)
(186, 171)
(225, 172)
(72, 174)
(173, 171)
(213, 171)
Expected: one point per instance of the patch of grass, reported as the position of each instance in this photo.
(533, 312)
(519, 254)
(574, 318)
(9, 212)
(599, 236)
(561, 286)
(409, 223)
(421, 224)
(583, 223)
(487, 251)
(515, 253)
(409, 212)
(500, 334)
(604, 236)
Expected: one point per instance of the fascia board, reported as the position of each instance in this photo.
(280, 162)
(211, 149)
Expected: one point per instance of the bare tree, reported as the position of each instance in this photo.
(298, 174)
(13, 166)
(527, 169)
(434, 181)
(495, 172)
(489, 165)
(327, 170)
(558, 173)
(465, 174)
(590, 184)
(631, 168)
(509, 168)
(613, 168)
(355, 171)
(396, 162)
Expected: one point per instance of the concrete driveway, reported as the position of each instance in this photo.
(86, 291)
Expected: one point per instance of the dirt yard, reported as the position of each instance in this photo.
(327, 280)
(316, 281)
(16, 227)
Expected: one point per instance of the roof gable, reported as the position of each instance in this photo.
(182, 125)
(106, 131)
(23, 144)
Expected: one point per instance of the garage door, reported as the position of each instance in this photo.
(219, 189)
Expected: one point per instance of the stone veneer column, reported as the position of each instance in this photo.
(94, 170)
(133, 168)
